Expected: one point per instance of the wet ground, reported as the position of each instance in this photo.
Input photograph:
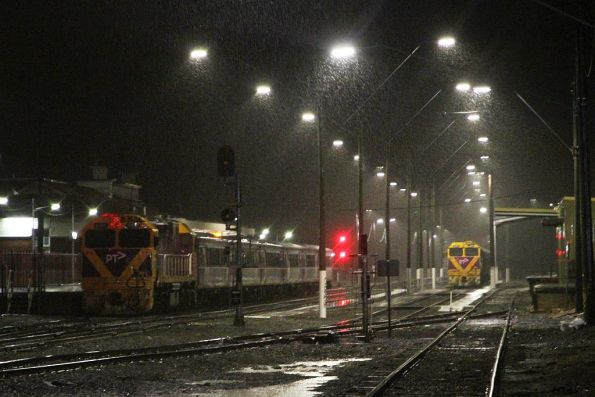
(541, 360)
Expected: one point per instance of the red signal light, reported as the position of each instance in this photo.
(341, 249)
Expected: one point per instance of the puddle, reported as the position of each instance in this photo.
(460, 304)
(314, 371)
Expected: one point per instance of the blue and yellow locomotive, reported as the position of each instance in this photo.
(464, 263)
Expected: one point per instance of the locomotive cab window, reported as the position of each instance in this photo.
(455, 252)
(135, 238)
(471, 251)
(100, 238)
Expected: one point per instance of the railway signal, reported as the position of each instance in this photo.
(341, 249)
(226, 168)
(226, 165)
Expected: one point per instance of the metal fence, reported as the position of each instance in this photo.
(23, 270)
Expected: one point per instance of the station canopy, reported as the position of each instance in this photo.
(507, 215)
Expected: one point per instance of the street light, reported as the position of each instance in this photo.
(485, 158)
(198, 53)
(54, 206)
(482, 139)
(393, 184)
(467, 200)
(337, 143)
(288, 235)
(93, 211)
(3, 200)
(413, 194)
(446, 42)
(308, 117)
(470, 167)
(380, 174)
(463, 87)
(473, 117)
(356, 157)
(263, 90)
(343, 51)
(482, 89)
(483, 210)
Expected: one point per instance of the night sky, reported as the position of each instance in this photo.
(111, 83)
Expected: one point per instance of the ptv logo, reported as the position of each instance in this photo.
(114, 257)
(463, 260)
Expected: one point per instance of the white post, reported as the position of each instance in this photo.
(322, 293)
(433, 278)
(507, 274)
(408, 279)
(72, 244)
(420, 280)
(492, 277)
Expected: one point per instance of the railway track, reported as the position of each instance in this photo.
(32, 338)
(463, 359)
(39, 336)
(38, 364)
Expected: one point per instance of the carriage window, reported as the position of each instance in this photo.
(310, 260)
(274, 259)
(214, 257)
(293, 260)
(100, 238)
(135, 238)
(471, 251)
(248, 258)
(455, 251)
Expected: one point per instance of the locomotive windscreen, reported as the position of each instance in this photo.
(135, 238)
(471, 251)
(100, 238)
(455, 252)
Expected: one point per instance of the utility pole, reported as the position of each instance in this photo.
(492, 231)
(362, 241)
(387, 246)
(420, 240)
(239, 314)
(583, 227)
(408, 231)
(322, 224)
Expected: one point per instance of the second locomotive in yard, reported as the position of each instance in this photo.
(132, 265)
(465, 267)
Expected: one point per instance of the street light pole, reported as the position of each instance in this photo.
(408, 231)
(362, 238)
(387, 236)
(492, 232)
(322, 225)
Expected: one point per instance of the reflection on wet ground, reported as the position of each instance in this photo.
(313, 371)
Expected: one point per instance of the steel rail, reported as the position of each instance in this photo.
(494, 388)
(390, 378)
(137, 357)
(89, 332)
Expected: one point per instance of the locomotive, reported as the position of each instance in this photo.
(132, 265)
(464, 264)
